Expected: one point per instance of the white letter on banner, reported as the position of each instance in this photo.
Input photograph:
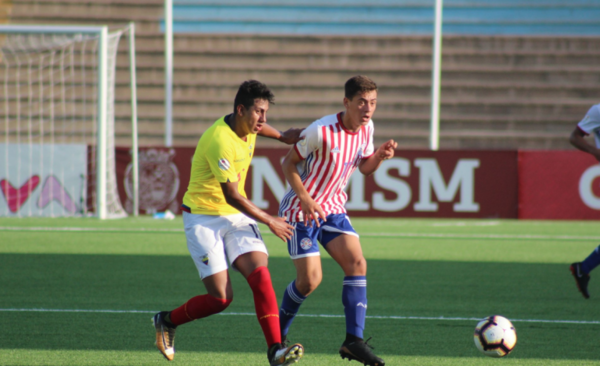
(430, 176)
(400, 187)
(357, 192)
(262, 170)
(585, 187)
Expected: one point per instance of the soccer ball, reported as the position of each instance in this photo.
(495, 336)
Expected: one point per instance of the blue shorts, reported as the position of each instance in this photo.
(304, 241)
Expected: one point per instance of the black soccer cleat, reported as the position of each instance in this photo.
(581, 279)
(360, 351)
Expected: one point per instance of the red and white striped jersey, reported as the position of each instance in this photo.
(330, 155)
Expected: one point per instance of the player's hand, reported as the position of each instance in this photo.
(291, 136)
(312, 211)
(386, 151)
(281, 228)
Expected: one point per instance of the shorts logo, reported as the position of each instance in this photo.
(306, 243)
(205, 259)
(224, 164)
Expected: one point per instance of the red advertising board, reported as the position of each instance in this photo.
(412, 184)
(475, 184)
(558, 185)
(164, 174)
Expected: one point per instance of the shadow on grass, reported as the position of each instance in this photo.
(396, 288)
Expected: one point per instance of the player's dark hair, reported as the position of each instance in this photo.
(358, 84)
(251, 90)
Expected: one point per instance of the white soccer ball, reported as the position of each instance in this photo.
(495, 336)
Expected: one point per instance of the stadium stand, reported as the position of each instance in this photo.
(499, 91)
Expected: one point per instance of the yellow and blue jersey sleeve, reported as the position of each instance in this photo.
(220, 157)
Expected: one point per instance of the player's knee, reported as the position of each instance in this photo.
(219, 304)
(309, 283)
(356, 267)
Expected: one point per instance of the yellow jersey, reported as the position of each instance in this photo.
(220, 157)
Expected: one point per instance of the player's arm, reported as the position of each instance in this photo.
(277, 225)
(290, 136)
(384, 152)
(310, 208)
(577, 139)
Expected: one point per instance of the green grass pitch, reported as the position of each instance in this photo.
(82, 292)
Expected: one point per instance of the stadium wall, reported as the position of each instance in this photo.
(452, 184)
(389, 17)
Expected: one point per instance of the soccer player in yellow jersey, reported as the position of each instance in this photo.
(220, 224)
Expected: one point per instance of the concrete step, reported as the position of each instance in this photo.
(351, 44)
(369, 45)
(113, 24)
(476, 90)
(133, 10)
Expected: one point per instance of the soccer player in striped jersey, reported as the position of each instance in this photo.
(220, 224)
(318, 168)
(589, 125)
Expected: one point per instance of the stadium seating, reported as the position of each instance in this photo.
(500, 92)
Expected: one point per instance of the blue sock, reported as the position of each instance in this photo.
(292, 299)
(354, 298)
(592, 261)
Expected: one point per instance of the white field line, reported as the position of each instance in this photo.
(389, 235)
(87, 229)
(434, 318)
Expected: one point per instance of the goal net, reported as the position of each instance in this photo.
(57, 118)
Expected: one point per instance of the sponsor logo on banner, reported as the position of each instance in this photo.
(158, 181)
(586, 188)
(44, 180)
(413, 184)
(559, 185)
(468, 184)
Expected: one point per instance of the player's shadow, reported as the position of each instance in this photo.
(423, 289)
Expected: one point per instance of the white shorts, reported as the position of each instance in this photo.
(212, 240)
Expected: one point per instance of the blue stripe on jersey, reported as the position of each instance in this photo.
(285, 202)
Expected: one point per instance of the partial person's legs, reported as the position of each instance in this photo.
(308, 277)
(253, 266)
(206, 248)
(218, 299)
(581, 271)
(347, 252)
(591, 262)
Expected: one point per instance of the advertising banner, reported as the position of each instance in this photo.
(558, 185)
(46, 180)
(164, 174)
(477, 184)
(464, 184)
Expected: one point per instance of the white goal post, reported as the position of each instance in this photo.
(57, 102)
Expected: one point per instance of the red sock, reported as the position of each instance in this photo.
(265, 302)
(198, 307)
